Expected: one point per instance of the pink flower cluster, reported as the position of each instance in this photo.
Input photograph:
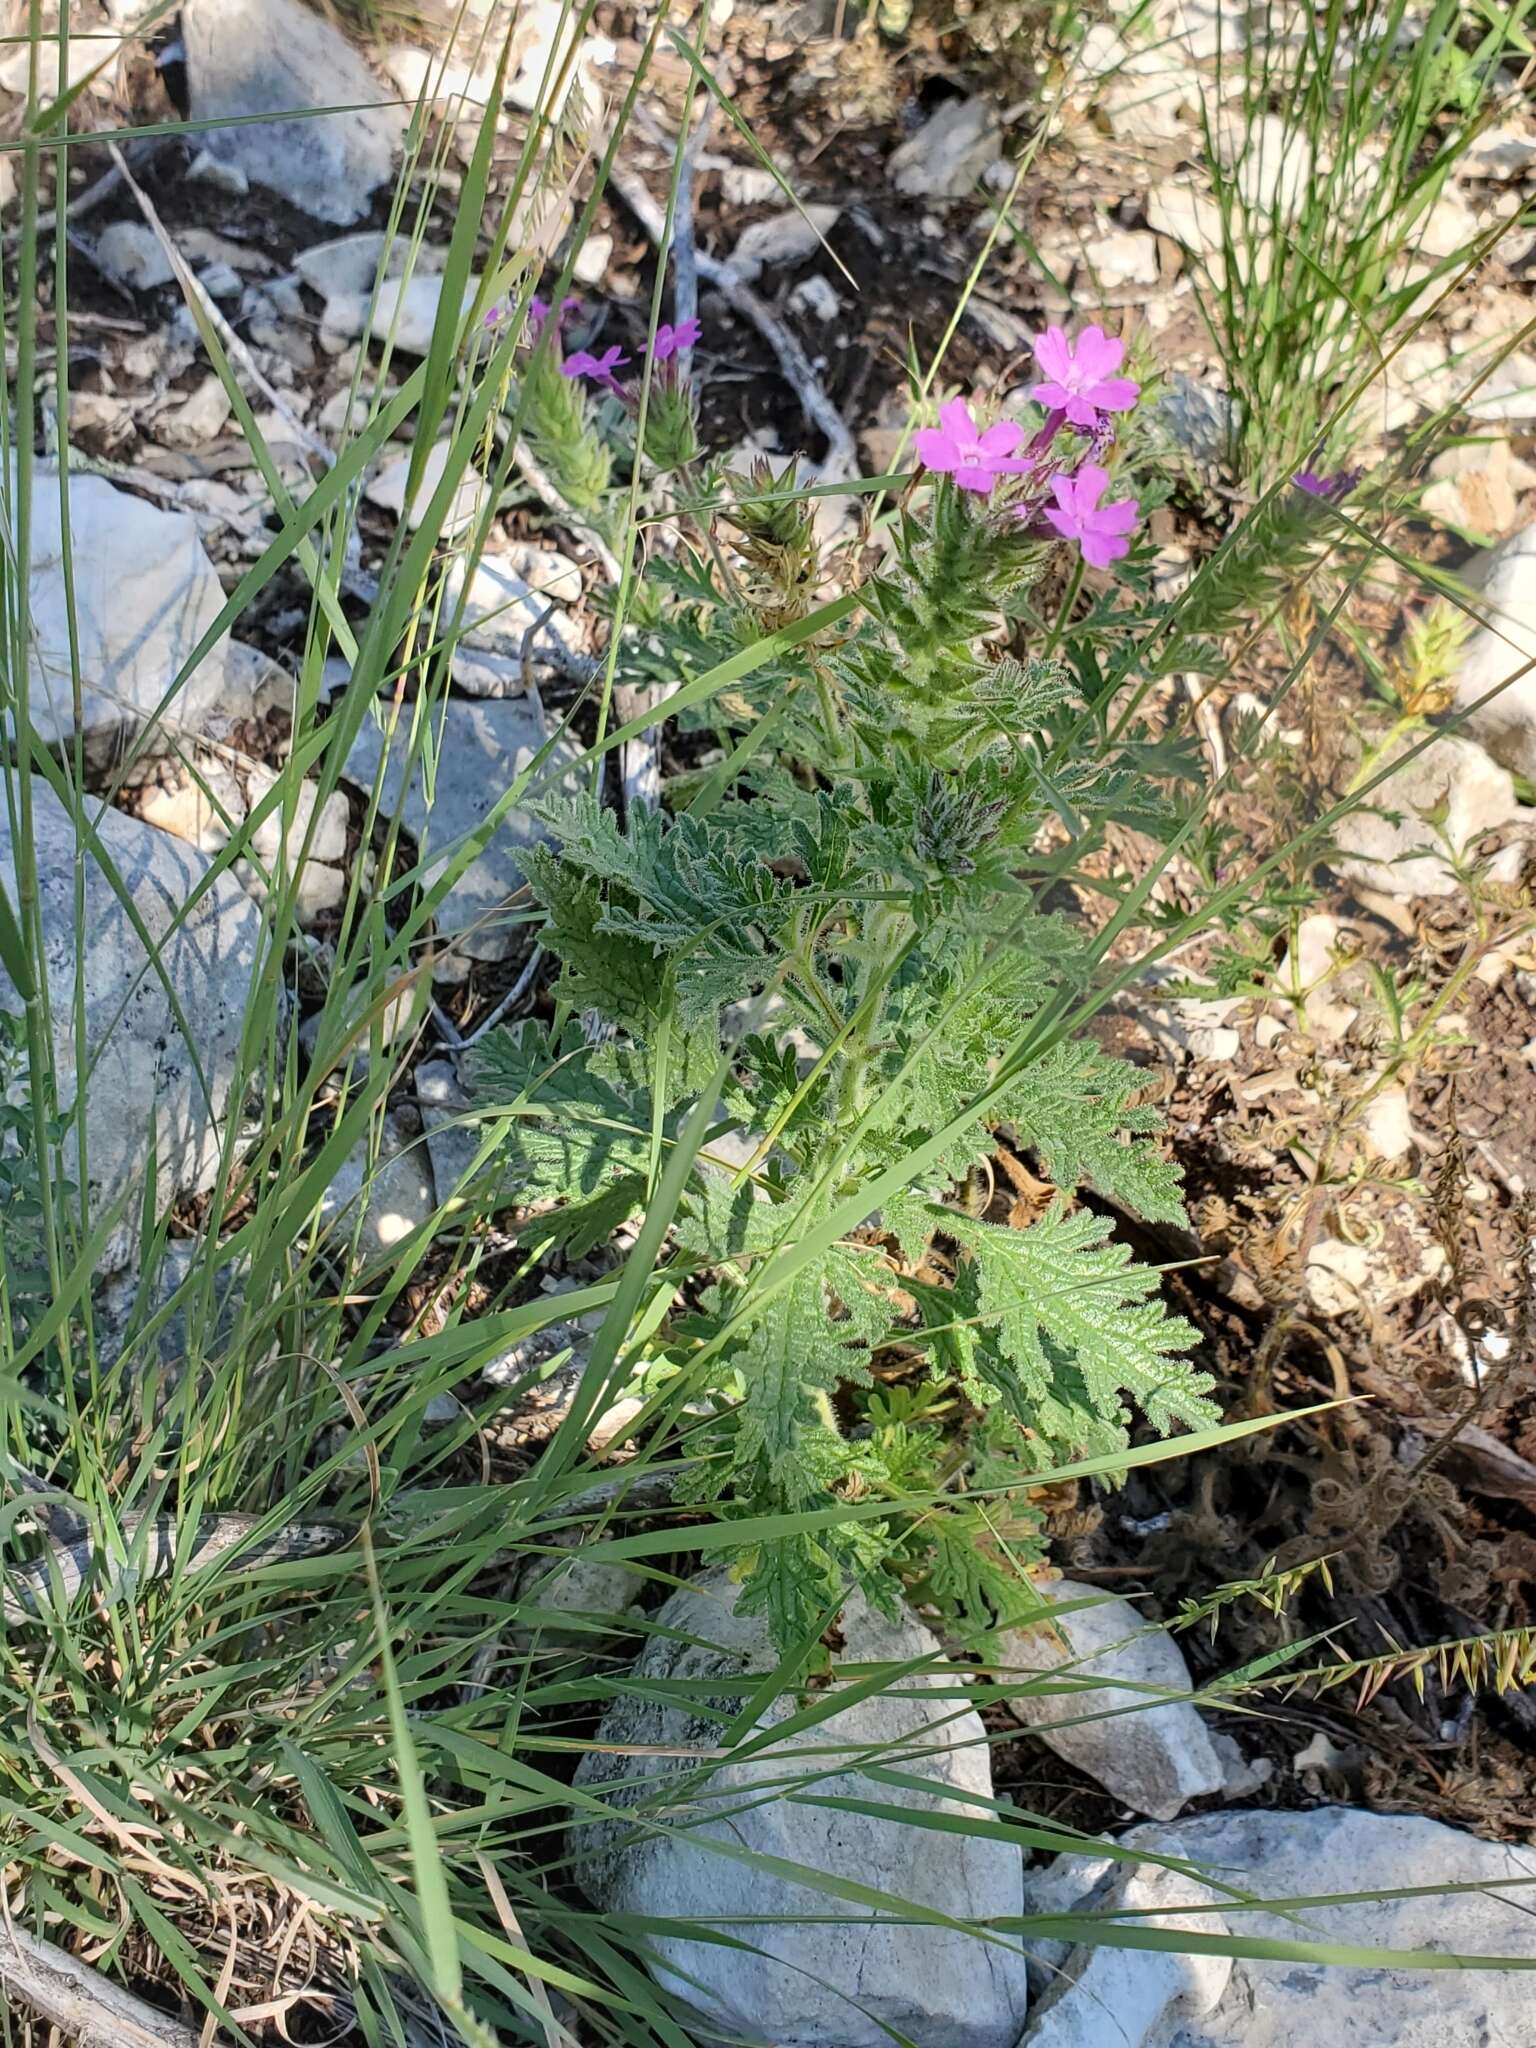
(1081, 389)
(670, 343)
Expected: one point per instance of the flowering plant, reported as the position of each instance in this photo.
(1059, 485)
(840, 928)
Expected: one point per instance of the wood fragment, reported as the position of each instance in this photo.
(87, 2009)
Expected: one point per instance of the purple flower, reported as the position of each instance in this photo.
(1079, 376)
(1339, 485)
(672, 341)
(599, 368)
(1101, 531)
(975, 460)
(495, 316)
(538, 313)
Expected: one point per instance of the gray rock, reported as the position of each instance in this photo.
(1500, 153)
(781, 240)
(128, 1302)
(131, 255)
(222, 281)
(405, 310)
(1472, 486)
(1441, 802)
(1153, 96)
(1162, 2001)
(1343, 1279)
(85, 53)
(346, 266)
(1090, 1995)
(481, 749)
(252, 57)
(392, 1192)
(1315, 973)
(145, 592)
(143, 1089)
(1120, 256)
(586, 1589)
(477, 673)
(387, 490)
(1202, 28)
(453, 1140)
(1271, 160)
(1193, 219)
(543, 72)
(206, 807)
(831, 1976)
(199, 419)
(1188, 1027)
(816, 298)
(1505, 578)
(947, 155)
(1114, 1667)
(1197, 418)
(508, 594)
(1509, 392)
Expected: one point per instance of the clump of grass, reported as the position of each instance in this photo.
(321, 1770)
(1348, 127)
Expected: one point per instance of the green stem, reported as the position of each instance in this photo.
(40, 1063)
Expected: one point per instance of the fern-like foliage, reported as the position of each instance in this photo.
(579, 1138)
(1068, 1333)
(858, 918)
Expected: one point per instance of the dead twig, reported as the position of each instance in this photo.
(841, 459)
(239, 354)
(84, 2007)
(140, 151)
(514, 995)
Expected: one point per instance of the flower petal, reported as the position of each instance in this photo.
(1064, 523)
(1053, 352)
(1098, 549)
(935, 450)
(1092, 481)
(1098, 354)
(955, 419)
(1080, 412)
(1115, 394)
(973, 479)
(1120, 517)
(1001, 438)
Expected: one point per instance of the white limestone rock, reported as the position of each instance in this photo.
(1152, 2000)
(144, 594)
(381, 1199)
(481, 748)
(144, 1081)
(948, 154)
(255, 57)
(781, 241)
(813, 1981)
(1111, 1715)
(131, 255)
(1505, 579)
(1439, 804)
